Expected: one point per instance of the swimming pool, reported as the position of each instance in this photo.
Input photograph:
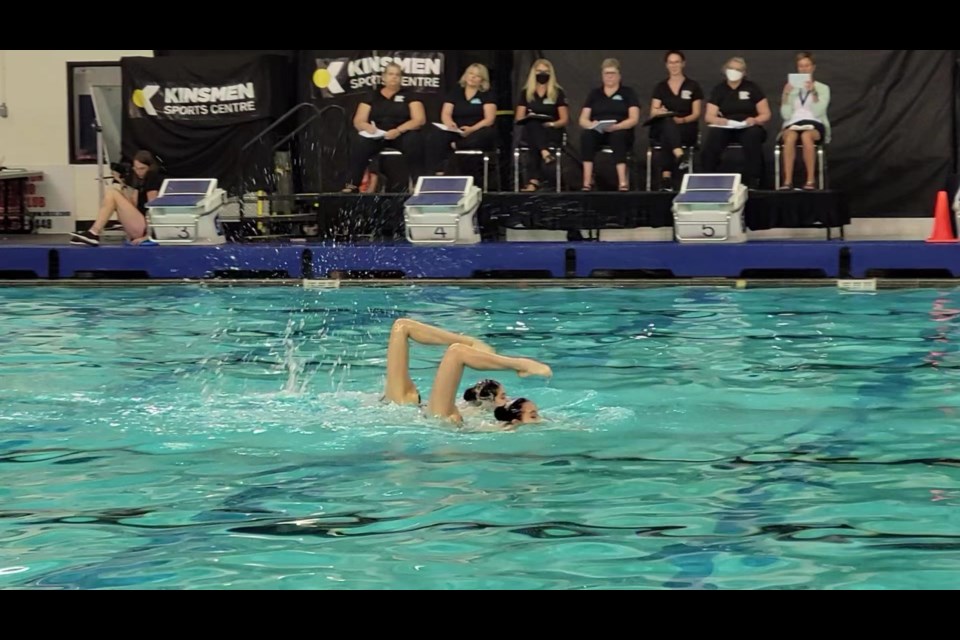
(193, 437)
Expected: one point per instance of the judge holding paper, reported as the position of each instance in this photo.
(543, 113)
(675, 114)
(804, 110)
(609, 117)
(388, 117)
(736, 113)
(467, 120)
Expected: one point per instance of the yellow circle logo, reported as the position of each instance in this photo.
(321, 78)
(138, 98)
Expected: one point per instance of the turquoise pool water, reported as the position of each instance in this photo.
(189, 437)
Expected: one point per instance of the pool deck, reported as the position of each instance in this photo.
(52, 258)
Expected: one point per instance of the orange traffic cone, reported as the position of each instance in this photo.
(942, 225)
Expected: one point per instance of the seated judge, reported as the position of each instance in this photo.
(805, 122)
(737, 111)
(544, 98)
(390, 117)
(468, 115)
(682, 97)
(609, 117)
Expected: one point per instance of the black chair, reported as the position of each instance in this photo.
(631, 164)
(522, 148)
(657, 146)
(488, 157)
(821, 163)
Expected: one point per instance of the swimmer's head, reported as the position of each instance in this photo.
(486, 393)
(520, 411)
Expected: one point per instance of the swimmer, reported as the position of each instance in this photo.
(462, 352)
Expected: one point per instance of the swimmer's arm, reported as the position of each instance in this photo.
(443, 397)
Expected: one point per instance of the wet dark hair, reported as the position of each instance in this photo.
(483, 390)
(512, 412)
(666, 58)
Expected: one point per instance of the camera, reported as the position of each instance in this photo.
(124, 170)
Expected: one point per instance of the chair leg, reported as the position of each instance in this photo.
(486, 172)
(559, 161)
(778, 167)
(516, 170)
(650, 156)
(823, 182)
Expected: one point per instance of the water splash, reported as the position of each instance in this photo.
(294, 364)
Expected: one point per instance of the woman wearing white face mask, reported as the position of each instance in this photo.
(737, 112)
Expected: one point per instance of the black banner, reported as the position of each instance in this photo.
(892, 112)
(195, 113)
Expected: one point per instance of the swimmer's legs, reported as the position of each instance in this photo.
(400, 387)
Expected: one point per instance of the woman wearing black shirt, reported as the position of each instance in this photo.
(737, 111)
(542, 114)
(388, 118)
(682, 97)
(609, 117)
(468, 116)
(128, 202)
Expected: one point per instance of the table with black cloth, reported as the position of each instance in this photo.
(797, 210)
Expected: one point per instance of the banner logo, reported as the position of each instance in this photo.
(329, 75)
(143, 98)
(186, 103)
(422, 73)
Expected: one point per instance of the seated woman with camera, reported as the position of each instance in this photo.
(127, 198)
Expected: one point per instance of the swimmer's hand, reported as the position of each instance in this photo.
(529, 368)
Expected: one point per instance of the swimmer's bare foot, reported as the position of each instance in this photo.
(529, 368)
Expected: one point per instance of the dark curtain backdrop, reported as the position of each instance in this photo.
(324, 147)
(203, 137)
(892, 112)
